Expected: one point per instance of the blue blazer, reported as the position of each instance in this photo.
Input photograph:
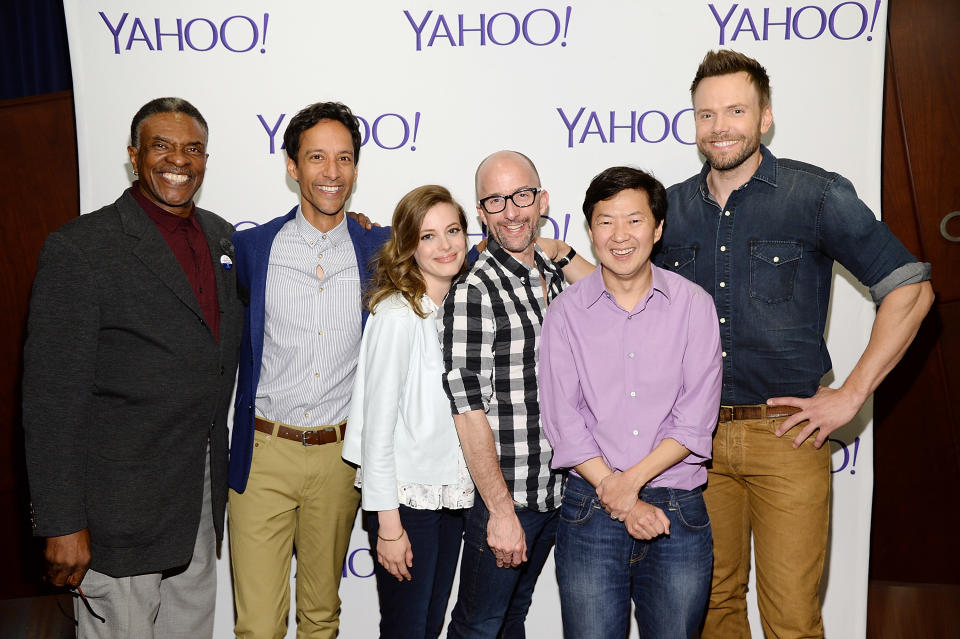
(253, 255)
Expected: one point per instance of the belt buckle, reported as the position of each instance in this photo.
(303, 437)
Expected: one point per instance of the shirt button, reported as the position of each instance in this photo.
(323, 237)
(676, 264)
(319, 256)
(320, 289)
(723, 248)
(630, 355)
(723, 284)
(633, 393)
(317, 375)
(320, 332)
(726, 213)
(776, 259)
(306, 414)
(723, 354)
(723, 320)
(636, 432)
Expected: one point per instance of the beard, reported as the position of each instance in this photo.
(514, 244)
(721, 162)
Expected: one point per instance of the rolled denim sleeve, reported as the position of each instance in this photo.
(851, 234)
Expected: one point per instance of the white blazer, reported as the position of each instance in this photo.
(400, 427)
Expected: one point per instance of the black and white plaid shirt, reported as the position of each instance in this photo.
(490, 330)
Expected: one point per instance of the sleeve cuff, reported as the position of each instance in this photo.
(911, 273)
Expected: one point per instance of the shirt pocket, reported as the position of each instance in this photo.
(773, 269)
(681, 260)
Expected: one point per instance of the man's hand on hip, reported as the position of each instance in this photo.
(826, 411)
(67, 558)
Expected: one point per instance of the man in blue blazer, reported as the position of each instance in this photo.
(305, 274)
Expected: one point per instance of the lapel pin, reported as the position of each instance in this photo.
(226, 262)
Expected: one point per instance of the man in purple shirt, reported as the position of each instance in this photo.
(629, 391)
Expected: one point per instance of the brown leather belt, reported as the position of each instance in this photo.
(325, 435)
(755, 411)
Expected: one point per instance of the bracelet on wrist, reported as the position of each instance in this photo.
(397, 538)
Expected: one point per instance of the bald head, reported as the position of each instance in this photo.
(503, 161)
(515, 226)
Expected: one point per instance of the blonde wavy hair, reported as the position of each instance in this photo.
(396, 270)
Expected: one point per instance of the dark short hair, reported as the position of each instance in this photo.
(164, 105)
(611, 181)
(309, 116)
(725, 62)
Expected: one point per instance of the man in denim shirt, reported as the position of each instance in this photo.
(761, 235)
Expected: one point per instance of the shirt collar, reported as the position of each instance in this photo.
(165, 219)
(313, 235)
(766, 172)
(593, 287)
(427, 304)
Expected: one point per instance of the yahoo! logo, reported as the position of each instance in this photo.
(849, 458)
(538, 27)
(358, 563)
(652, 126)
(237, 34)
(390, 131)
(844, 21)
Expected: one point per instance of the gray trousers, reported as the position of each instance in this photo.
(174, 604)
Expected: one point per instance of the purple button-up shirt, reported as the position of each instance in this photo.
(615, 383)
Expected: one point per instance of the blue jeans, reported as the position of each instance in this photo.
(493, 602)
(415, 609)
(600, 566)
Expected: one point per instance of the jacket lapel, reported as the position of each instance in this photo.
(153, 251)
(219, 246)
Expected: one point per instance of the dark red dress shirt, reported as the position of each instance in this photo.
(189, 245)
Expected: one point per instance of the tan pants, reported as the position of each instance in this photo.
(760, 483)
(296, 497)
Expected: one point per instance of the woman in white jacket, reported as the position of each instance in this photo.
(414, 482)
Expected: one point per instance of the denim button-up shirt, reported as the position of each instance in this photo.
(767, 260)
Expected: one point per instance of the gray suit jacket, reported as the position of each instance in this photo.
(124, 386)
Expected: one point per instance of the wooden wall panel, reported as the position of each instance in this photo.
(917, 434)
(38, 192)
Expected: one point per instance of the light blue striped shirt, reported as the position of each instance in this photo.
(311, 326)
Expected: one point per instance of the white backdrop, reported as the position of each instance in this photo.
(577, 86)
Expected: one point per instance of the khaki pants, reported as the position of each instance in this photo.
(760, 483)
(296, 497)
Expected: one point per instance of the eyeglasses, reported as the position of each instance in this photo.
(521, 198)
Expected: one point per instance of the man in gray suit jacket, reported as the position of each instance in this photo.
(128, 371)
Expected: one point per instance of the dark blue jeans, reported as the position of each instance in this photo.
(493, 602)
(415, 609)
(600, 566)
